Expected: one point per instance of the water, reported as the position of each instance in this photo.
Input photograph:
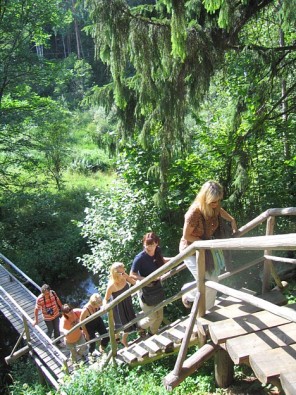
(77, 290)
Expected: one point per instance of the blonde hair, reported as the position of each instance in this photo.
(210, 192)
(113, 270)
(95, 299)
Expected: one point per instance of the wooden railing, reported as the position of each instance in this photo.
(267, 243)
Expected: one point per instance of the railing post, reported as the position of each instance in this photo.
(112, 333)
(27, 330)
(186, 339)
(200, 262)
(267, 262)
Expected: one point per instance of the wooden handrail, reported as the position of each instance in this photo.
(280, 259)
(276, 242)
(61, 356)
(272, 212)
(12, 265)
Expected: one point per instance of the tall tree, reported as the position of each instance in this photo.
(162, 57)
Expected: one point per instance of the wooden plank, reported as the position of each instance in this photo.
(221, 331)
(267, 366)
(239, 348)
(175, 335)
(232, 309)
(164, 341)
(151, 346)
(140, 351)
(288, 381)
(128, 356)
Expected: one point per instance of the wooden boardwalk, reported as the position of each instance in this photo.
(249, 335)
(17, 303)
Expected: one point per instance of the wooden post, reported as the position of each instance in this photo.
(224, 369)
(200, 262)
(267, 263)
(27, 330)
(190, 365)
(112, 333)
(186, 339)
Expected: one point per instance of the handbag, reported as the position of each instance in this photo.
(153, 294)
(215, 260)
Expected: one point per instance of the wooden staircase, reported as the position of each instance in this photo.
(154, 347)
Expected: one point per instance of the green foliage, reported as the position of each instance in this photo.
(114, 225)
(159, 90)
(72, 78)
(89, 161)
(34, 144)
(26, 378)
(141, 380)
(39, 236)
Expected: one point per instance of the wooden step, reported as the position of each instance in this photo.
(175, 334)
(239, 348)
(128, 356)
(140, 351)
(288, 381)
(165, 343)
(151, 346)
(230, 307)
(268, 366)
(223, 330)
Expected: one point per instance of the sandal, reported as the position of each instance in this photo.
(142, 333)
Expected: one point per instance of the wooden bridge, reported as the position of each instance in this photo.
(240, 329)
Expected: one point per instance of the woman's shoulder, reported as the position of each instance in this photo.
(193, 213)
(139, 256)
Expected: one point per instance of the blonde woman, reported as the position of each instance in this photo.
(97, 325)
(124, 313)
(201, 222)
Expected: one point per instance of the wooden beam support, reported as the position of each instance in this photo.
(17, 354)
(190, 365)
(224, 369)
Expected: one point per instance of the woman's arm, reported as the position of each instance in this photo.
(187, 233)
(224, 214)
(108, 293)
(129, 279)
(135, 276)
(82, 317)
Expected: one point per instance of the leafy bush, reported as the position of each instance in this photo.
(144, 380)
(90, 161)
(115, 224)
(26, 377)
(39, 236)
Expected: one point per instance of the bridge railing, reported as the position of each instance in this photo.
(266, 243)
(29, 329)
(20, 272)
